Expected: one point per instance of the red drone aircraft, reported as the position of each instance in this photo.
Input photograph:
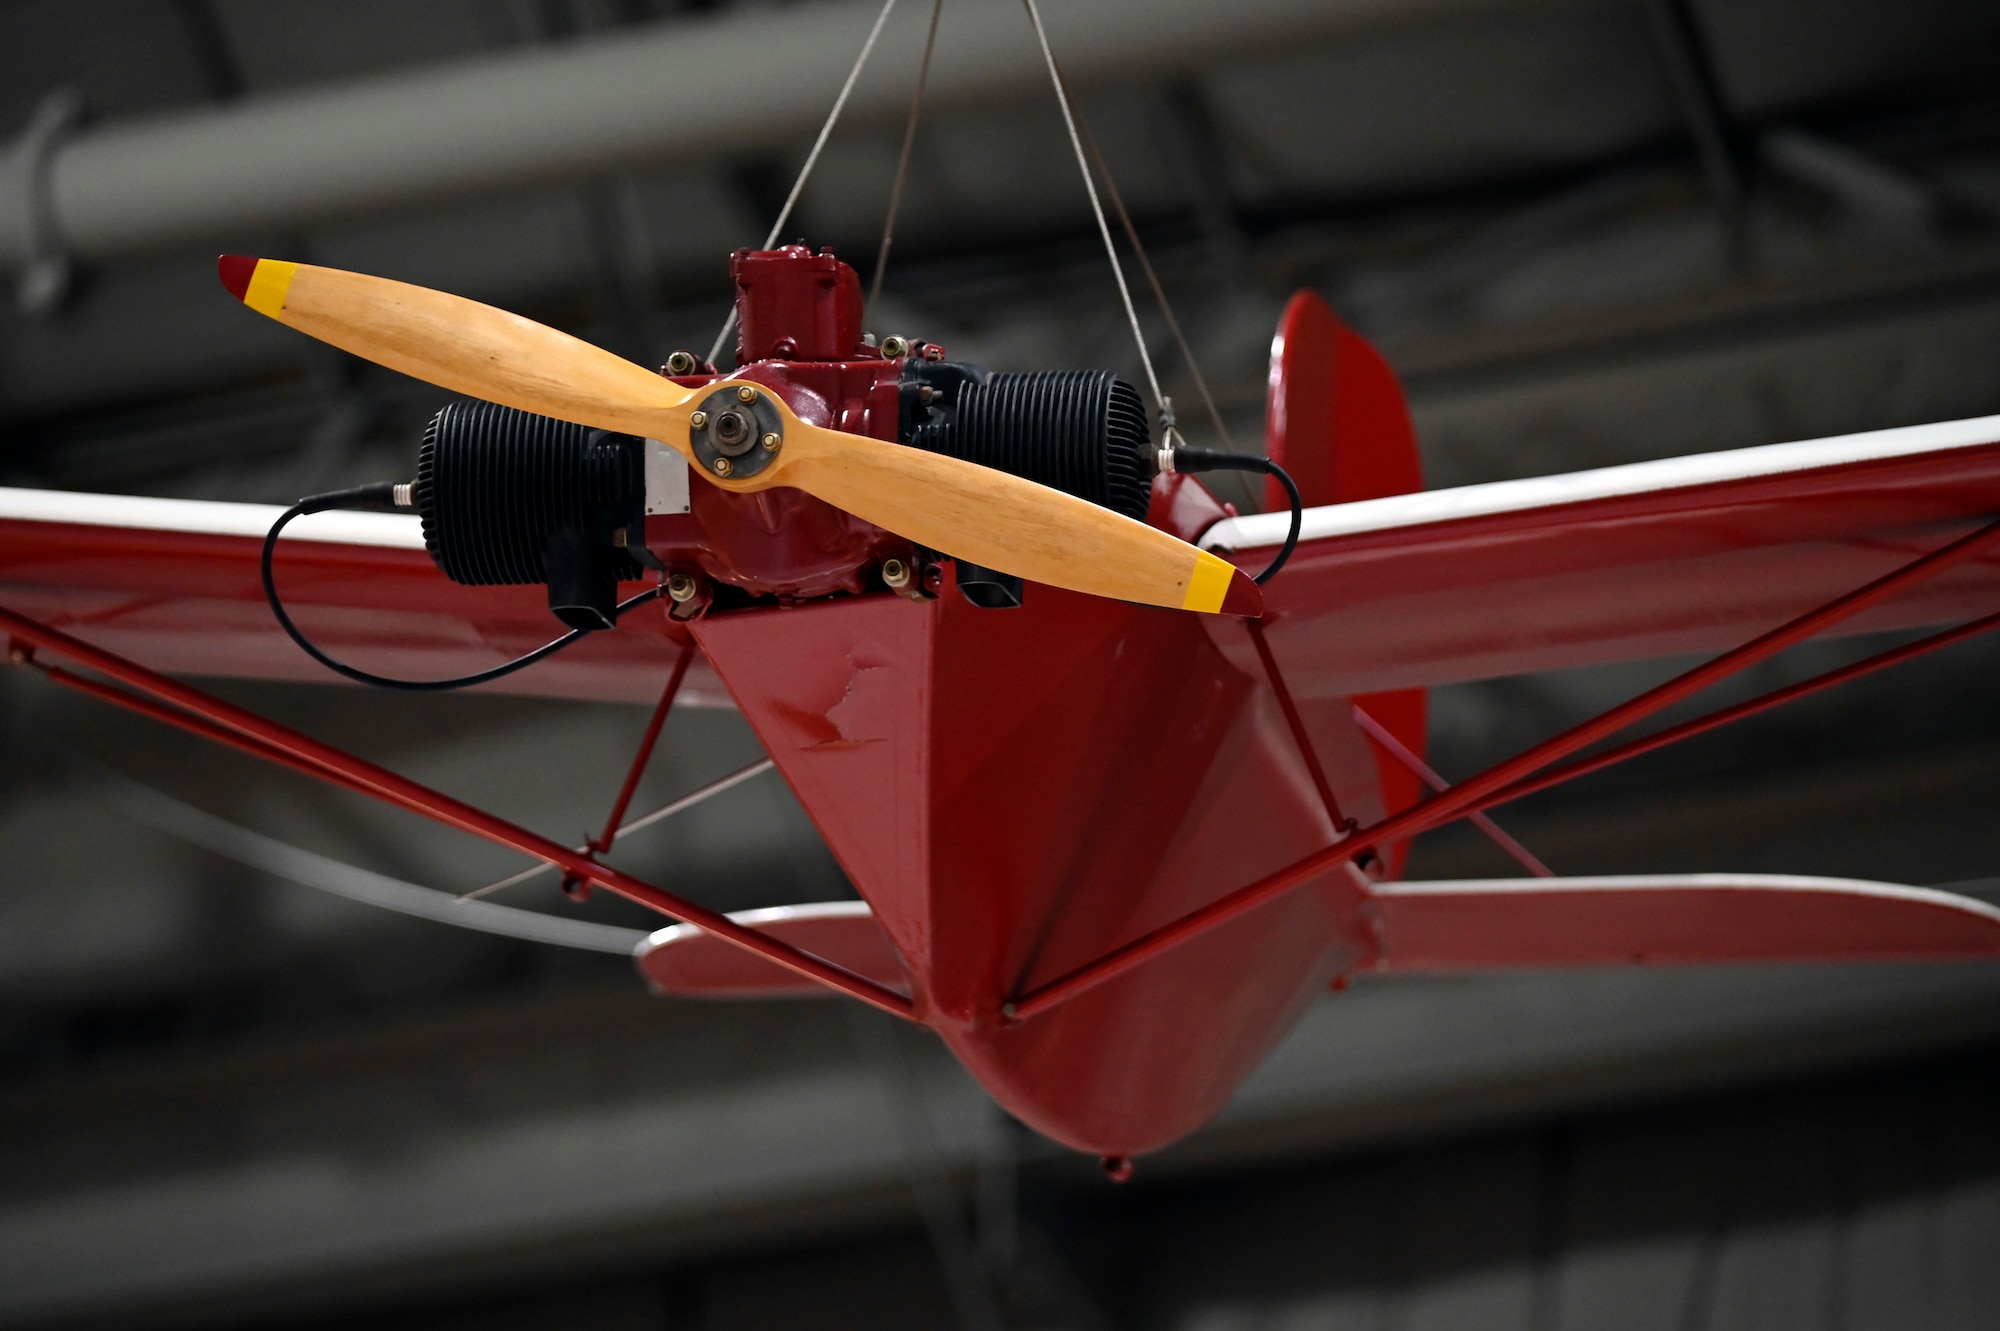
(1115, 812)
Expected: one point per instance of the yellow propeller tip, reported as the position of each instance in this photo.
(259, 283)
(1218, 587)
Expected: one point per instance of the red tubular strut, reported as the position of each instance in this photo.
(645, 753)
(1341, 823)
(187, 721)
(1421, 770)
(1701, 724)
(1477, 791)
(344, 769)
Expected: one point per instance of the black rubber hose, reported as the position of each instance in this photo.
(1208, 459)
(382, 495)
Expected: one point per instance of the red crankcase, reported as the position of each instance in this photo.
(799, 335)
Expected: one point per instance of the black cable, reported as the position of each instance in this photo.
(382, 495)
(1209, 459)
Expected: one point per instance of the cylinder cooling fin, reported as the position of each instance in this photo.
(508, 497)
(1083, 432)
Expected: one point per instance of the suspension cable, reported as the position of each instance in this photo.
(812, 160)
(903, 161)
(1153, 280)
(1097, 208)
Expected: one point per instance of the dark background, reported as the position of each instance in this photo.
(1585, 233)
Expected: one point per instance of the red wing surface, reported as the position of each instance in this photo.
(1504, 924)
(173, 584)
(1691, 554)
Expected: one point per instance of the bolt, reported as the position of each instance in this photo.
(722, 467)
(893, 346)
(895, 573)
(771, 442)
(680, 587)
(17, 654)
(746, 394)
(699, 420)
(926, 394)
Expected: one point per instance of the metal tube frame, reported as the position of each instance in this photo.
(1423, 772)
(1342, 824)
(164, 699)
(1480, 791)
(603, 841)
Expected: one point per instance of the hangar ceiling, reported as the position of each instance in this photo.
(1584, 232)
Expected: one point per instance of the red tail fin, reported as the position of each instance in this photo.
(1336, 420)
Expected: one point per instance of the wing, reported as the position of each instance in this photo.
(174, 584)
(1692, 554)
(1510, 924)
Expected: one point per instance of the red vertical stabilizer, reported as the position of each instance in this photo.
(1335, 419)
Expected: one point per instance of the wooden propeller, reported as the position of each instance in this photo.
(968, 511)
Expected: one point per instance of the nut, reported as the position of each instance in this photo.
(681, 587)
(699, 420)
(895, 573)
(893, 346)
(681, 362)
(722, 467)
(771, 442)
(746, 394)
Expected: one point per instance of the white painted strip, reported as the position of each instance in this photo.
(392, 531)
(1684, 882)
(1469, 501)
(763, 918)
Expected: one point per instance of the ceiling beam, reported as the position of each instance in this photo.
(691, 87)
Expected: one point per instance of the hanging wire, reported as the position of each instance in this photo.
(1103, 227)
(812, 160)
(1153, 281)
(903, 160)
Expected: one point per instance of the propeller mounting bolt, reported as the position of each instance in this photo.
(746, 394)
(680, 587)
(699, 420)
(895, 573)
(722, 467)
(771, 442)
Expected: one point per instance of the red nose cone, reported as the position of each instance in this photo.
(235, 270)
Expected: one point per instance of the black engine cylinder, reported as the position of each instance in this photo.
(510, 497)
(1080, 431)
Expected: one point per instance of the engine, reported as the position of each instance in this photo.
(510, 497)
